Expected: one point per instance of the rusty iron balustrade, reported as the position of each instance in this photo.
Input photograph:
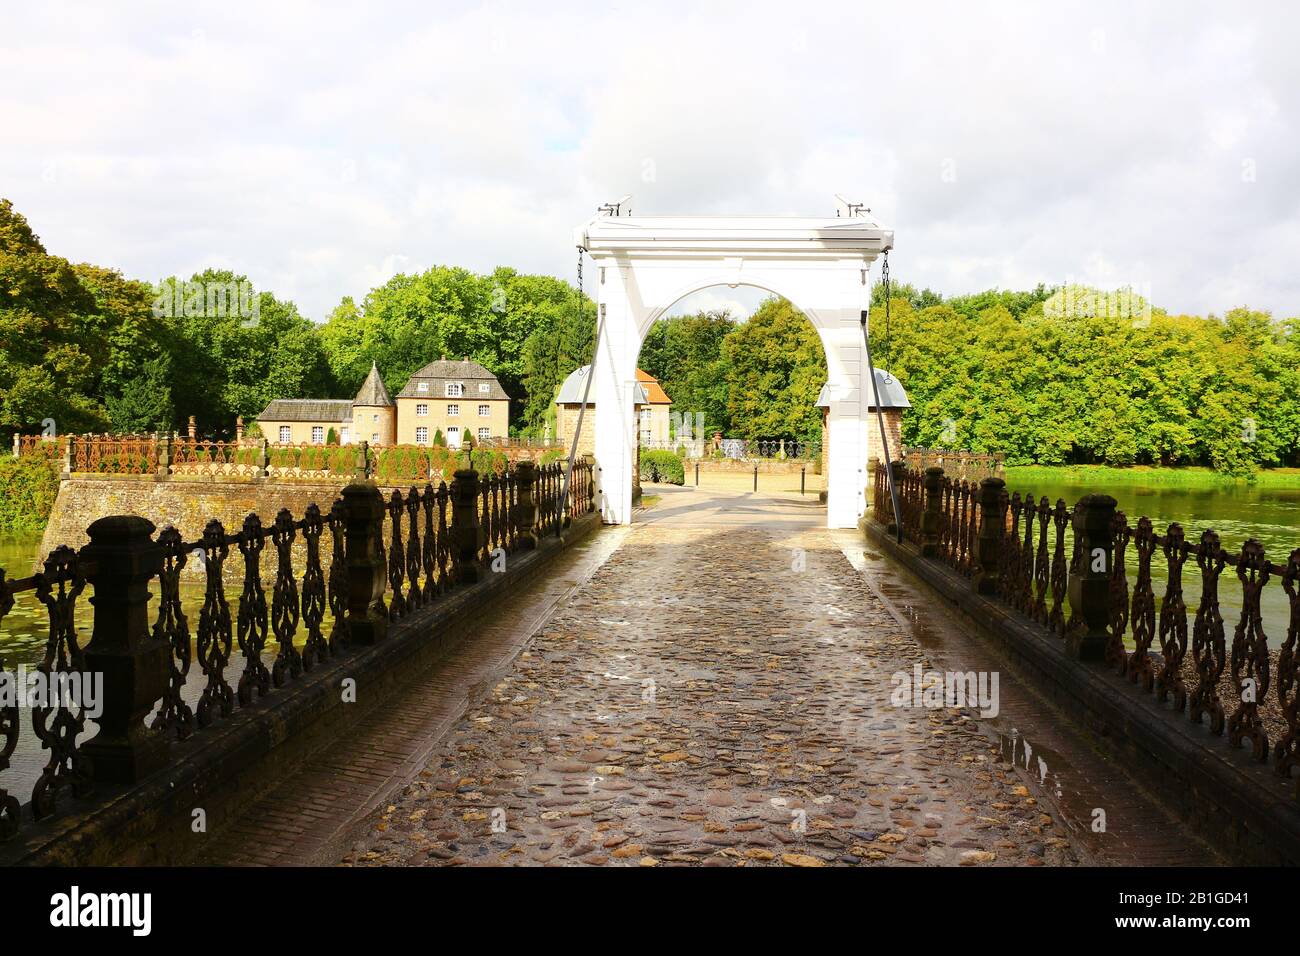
(437, 538)
(1102, 602)
(961, 464)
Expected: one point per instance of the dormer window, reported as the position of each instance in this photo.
(421, 386)
(455, 390)
(484, 388)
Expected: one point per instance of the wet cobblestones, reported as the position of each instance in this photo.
(702, 702)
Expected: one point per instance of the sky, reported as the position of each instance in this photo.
(320, 150)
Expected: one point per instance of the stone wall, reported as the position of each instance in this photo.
(188, 504)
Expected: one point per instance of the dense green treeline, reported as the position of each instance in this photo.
(1048, 376)
(1074, 376)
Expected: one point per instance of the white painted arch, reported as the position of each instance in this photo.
(645, 264)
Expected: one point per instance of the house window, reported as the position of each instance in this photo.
(453, 409)
(345, 439)
(374, 437)
(647, 433)
(421, 409)
(484, 434)
(374, 417)
(455, 390)
(484, 387)
(453, 436)
(422, 435)
(421, 386)
(484, 410)
(318, 434)
(286, 433)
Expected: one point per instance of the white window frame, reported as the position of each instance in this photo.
(422, 435)
(453, 410)
(453, 436)
(421, 386)
(485, 387)
(318, 434)
(484, 411)
(455, 390)
(286, 434)
(422, 409)
(484, 434)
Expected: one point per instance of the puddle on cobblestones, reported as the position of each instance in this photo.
(1051, 773)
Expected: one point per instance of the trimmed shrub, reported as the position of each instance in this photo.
(663, 467)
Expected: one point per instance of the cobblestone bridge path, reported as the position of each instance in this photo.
(714, 688)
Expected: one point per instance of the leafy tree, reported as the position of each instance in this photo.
(78, 343)
(775, 370)
(227, 364)
(685, 354)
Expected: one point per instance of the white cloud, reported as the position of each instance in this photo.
(1006, 144)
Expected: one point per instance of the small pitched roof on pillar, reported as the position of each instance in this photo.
(373, 391)
(889, 388)
(574, 385)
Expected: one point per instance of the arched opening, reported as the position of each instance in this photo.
(729, 383)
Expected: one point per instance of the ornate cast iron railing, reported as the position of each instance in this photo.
(218, 661)
(739, 449)
(956, 463)
(1131, 614)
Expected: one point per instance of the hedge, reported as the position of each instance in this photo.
(28, 487)
(662, 466)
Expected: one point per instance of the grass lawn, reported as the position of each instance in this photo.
(1104, 475)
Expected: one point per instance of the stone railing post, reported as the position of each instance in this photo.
(466, 532)
(262, 458)
(123, 652)
(18, 445)
(985, 579)
(1089, 588)
(898, 469)
(366, 569)
(361, 464)
(67, 456)
(932, 516)
(164, 456)
(526, 509)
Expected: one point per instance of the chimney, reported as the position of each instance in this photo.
(191, 428)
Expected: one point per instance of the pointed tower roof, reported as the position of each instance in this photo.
(373, 391)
